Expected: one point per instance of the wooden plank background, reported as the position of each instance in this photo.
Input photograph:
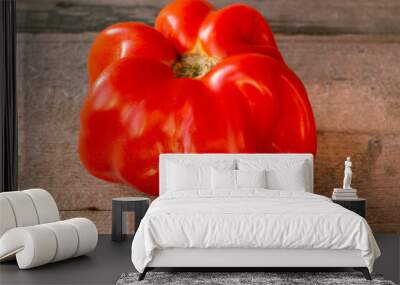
(346, 52)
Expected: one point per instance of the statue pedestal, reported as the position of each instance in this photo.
(344, 190)
(344, 194)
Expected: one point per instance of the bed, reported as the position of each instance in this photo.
(246, 211)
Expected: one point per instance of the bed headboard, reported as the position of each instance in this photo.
(213, 157)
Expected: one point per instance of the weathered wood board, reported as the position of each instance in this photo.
(353, 83)
(285, 16)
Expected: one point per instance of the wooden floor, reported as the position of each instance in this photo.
(110, 260)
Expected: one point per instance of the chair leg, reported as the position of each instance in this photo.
(143, 274)
(364, 271)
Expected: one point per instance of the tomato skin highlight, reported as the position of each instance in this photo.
(222, 34)
(180, 22)
(249, 101)
(125, 40)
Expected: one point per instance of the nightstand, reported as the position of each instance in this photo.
(120, 206)
(358, 206)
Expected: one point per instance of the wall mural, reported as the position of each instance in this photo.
(201, 81)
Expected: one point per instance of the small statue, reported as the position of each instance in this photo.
(347, 174)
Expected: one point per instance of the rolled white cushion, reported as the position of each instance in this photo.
(67, 240)
(26, 208)
(41, 244)
(87, 234)
(23, 208)
(46, 207)
(7, 218)
(33, 246)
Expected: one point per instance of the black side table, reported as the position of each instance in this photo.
(357, 205)
(139, 205)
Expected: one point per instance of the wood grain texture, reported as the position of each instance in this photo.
(353, 93)
(345, 52)
(285, 16)
(375, 173)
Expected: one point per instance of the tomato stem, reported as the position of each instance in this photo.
(193, 65)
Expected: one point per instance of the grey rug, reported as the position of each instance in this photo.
(269, 278)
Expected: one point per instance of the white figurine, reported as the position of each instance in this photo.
(347, 174)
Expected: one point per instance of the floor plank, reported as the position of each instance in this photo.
(305, 17)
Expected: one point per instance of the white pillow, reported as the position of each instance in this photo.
(251, 178)
(234, 179)
(187, 177)
(281, 174)
(223, 179)
(291, 178)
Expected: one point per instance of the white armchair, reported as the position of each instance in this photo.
(31, 230)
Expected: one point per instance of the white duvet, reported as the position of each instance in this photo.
(252, 218)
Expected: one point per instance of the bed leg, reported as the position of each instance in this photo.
(143, 274)
(364, 271)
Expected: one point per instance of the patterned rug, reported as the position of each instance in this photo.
(269, 278)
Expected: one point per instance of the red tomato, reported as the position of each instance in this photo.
(201, 82)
